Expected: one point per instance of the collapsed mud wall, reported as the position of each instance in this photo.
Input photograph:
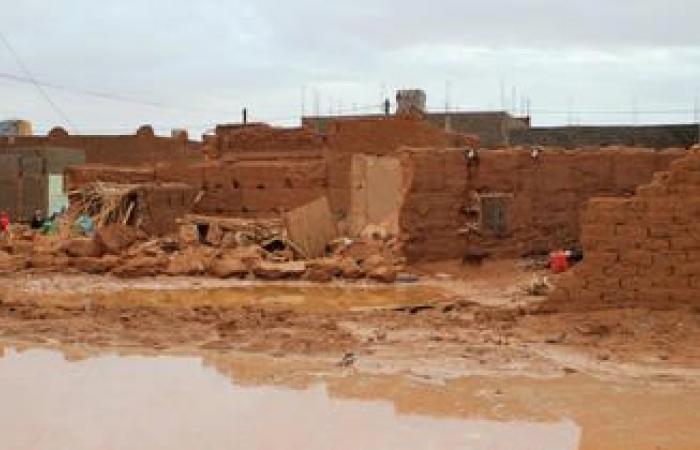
(141, 148)
(507, 203)
(641, 249)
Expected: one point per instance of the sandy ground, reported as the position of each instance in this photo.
(456, 326)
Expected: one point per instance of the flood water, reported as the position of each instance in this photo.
(167, 402)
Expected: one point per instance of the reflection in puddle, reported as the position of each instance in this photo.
(115, 402)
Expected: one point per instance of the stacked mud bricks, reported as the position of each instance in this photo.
(641, 249)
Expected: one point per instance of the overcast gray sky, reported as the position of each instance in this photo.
(198, 62)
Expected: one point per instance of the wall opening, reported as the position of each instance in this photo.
(495, 214)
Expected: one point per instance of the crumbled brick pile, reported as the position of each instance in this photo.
(641, 249)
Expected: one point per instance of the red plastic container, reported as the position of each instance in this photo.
(558, 262)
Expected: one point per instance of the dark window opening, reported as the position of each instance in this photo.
(494, 211)
(202, 232)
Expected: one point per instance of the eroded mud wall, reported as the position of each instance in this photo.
(644, 248)
(238, 188)
(265, 139)
(544, 197)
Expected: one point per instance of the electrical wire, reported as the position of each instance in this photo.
(38, 86)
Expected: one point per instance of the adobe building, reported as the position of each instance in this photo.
(32, 167)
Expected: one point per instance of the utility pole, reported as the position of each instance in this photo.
(528, 104)
(503, 95)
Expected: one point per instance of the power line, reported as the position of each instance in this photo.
(110, 96)
(38, 86)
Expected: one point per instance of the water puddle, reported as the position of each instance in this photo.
(135, 402)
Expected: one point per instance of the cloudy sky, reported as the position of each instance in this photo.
(111, 65)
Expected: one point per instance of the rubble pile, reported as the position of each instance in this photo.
(230, 248)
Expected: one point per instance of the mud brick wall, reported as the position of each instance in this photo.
(381, 136)
(261, 187)
(641, 249)
(239, 188)
(128, 150)
(262, 138)
(547, 195)
(160, 205)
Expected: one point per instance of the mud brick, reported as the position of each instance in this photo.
(664, 281)
(631, 232)
(637, 257)
(621, 271)
(692, 256)
(608, 210)
(604, 283)
(601, 258)
(694, 282)
(636, 283)
(655, 245)
(654, 295)
(685, 243)
(688, 269)
(611, 244)
(596, 231)
(661, 230)
(658, 216)
(619, 296)
(692, 204)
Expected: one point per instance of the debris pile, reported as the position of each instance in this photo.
(300, 245)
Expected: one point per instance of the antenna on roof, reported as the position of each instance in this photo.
(317, 102)
(303, 101)
(447, 96)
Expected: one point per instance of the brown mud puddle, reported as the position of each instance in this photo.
(85, 399)
(177, 403)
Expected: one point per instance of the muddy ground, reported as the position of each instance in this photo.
(456, 324)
